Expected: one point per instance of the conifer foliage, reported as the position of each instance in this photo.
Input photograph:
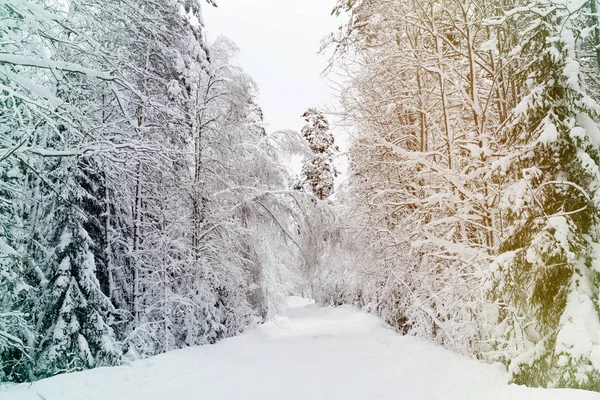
(544, 274)
(318, 171)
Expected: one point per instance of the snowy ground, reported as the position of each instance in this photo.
(309, 353)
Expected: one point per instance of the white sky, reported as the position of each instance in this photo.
(279, 41)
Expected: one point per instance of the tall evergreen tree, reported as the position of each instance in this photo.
(545, 274)
(73, 313)
(318, 171)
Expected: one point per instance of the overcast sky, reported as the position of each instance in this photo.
(279, 41)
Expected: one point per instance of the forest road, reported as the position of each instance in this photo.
(310, 352)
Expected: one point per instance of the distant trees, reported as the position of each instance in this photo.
(318, 170)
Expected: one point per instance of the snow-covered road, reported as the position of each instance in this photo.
(309, 353)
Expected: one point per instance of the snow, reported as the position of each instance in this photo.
(562, 230)
(308, 352)
(549, 132)
(577, 132)
(587, 162)
(579, 336)
(6, 249)
(491, 44)
(65, 240)
(46, 63)
(40, 90)
(571, 71)
(590, 127)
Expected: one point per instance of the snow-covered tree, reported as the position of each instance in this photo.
(420, 204)
(135, 170)
(16, 337)
(474, 144)
(72, 312)
(318, 171)
(544, 273)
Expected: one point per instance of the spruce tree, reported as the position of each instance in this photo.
(73, 312)
(544, 274)
(318, 171)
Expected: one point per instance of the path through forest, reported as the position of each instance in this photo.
(309, 353)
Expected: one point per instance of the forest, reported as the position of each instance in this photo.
(145, 208)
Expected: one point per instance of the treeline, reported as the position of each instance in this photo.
(471, 213)
(143, 207)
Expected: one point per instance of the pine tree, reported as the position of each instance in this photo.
(318, 171)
